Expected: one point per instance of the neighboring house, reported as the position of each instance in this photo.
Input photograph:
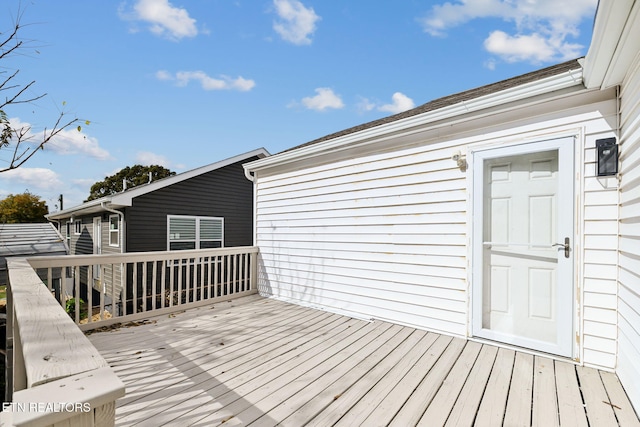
(207, 207)
(164, 215)
(37, 239)
(503, 213)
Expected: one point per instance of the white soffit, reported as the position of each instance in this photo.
(615, 43)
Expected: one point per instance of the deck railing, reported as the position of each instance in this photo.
(99, 290)
(54, 373)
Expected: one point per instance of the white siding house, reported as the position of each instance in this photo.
(484, 215)
(614, 61)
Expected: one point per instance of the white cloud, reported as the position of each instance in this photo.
(400, 102)
(73, 142)
(164, 19)
(38, 178)
(297, 22)
(541, 27)
(182, 78)
(364, 105)
(163, 75)
(324, 99)
(147, 158)
(534, 47)
(66, 142)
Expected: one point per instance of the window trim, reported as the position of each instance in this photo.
(117, 231)
(77, 227)
(197, 240)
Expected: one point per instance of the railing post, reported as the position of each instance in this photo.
(254, 271)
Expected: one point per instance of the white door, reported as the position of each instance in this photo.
(522, 245)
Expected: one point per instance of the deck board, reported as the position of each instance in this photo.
(263, 362)
(545, 396)
(570, 404)
(494, 400)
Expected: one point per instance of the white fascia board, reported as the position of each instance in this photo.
(614, 44)
(528, 90)
(85, 208)
(627, 49)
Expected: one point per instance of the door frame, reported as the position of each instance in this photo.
(566, 267)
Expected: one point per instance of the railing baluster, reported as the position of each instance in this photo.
(135, 287)
(234, 274)
(201, 263)
(63, 286)
(207, 281)
(228, 284)
(180, 281)
(187, 280)
(215, 277)
(76, 301)
(89, 295)
(101, 278)
(114, 271)
(154, 287)
(163, 276)
(144, 286)
(246, 272)
(171, 281)
(50, 279)
(123, 285)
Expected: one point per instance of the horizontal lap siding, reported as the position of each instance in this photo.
(382, 236)
(629, 254)
(223, 192)
(386, 235)
(599, 257)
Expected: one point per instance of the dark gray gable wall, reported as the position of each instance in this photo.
(224, 192)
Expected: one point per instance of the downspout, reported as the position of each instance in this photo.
(103, 205)
(250, 177)
(253, 178)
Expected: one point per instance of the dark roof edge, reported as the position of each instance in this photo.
(454, 99)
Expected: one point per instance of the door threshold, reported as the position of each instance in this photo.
(575, 361)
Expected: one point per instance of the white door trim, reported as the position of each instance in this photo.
(565, 217)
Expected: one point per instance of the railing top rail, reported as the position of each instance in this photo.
(81, 260)
(52, 345)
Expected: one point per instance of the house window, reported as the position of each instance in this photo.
(77, 227)
(68, 230)
(114, 230)
(194, 232)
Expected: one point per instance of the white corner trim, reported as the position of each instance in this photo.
(614, 35)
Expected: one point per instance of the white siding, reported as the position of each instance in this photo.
(600, 259)
(386, 235)
(381, 236)
(629, 262)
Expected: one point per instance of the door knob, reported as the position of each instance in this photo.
(565, 245)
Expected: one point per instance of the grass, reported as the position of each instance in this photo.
(3, 292)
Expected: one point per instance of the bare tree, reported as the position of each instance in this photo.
(19, 142)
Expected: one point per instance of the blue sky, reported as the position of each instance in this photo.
(185, 83)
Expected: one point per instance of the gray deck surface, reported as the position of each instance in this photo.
(257, 361)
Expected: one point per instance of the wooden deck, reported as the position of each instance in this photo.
(262, 362)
